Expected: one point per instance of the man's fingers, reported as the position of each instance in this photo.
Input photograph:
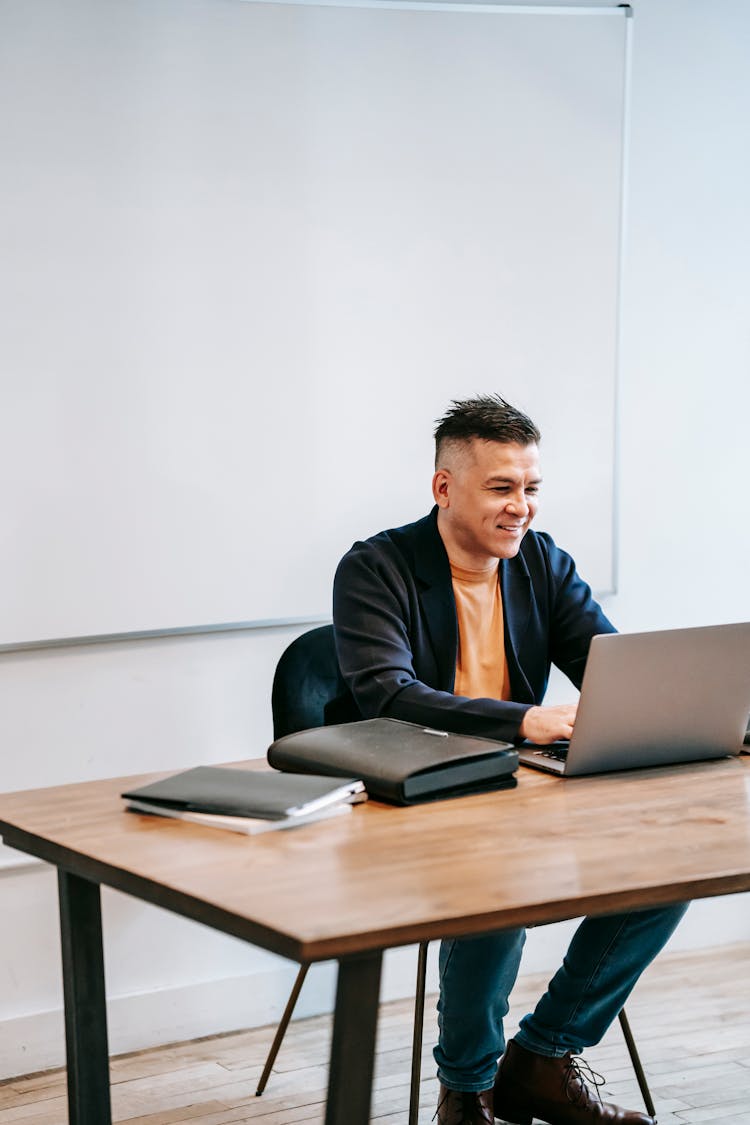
(548, 724)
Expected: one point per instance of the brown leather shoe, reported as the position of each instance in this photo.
(530, 1085)
(458, 1107)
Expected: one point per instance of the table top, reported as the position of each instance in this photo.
(549, 849)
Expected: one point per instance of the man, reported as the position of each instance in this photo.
(453, 622)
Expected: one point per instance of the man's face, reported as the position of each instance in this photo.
(488, 496)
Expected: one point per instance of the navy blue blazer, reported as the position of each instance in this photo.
(396, 631)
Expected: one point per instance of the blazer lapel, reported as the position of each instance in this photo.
(436, 596)
(515, 584)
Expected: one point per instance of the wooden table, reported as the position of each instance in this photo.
(349, 888)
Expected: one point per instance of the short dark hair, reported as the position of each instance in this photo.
(487, 417)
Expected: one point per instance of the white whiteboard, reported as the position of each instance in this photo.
(250, 252)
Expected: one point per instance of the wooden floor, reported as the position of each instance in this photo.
(690, 1015)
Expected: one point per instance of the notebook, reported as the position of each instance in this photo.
(246, 825)
(399, 762)
(225, 791)
(652, 699)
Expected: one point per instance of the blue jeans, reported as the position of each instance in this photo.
(603, 963)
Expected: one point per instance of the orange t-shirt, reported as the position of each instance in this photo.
(481, 669)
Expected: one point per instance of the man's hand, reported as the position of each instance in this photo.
(547, 724)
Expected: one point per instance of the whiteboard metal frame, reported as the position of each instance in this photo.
(456, 6)
(176, 631)
(624, 174)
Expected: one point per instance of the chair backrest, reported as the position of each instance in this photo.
(307, 678)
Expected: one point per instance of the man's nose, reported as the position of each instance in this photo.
(518, 504)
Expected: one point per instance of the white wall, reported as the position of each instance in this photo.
(684, 559)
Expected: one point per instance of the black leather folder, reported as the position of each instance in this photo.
(399, 762)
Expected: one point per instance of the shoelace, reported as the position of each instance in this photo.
(444, 1098)
(578, 1075)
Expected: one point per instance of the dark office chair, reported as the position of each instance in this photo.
(305, 685)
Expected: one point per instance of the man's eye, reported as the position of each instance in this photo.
(532, 491)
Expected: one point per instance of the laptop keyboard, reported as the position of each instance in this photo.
(558, 751)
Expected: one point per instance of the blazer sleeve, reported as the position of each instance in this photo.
(375, 615)
(576, 616)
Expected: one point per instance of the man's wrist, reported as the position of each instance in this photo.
(523, 729)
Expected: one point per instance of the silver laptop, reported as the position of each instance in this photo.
(651, 699)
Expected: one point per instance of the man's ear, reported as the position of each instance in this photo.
(441, 483)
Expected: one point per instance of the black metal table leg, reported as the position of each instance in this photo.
(85, 1007)
(416, 1046)
(353, 1045)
